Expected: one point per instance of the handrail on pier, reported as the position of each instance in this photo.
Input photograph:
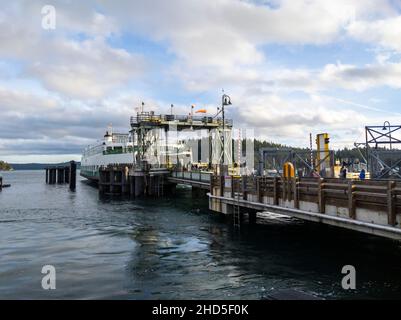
(374, 202)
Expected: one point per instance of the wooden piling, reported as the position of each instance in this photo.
(52, 175)
(73, 175)
(351, 200)
(296, 195)
(60, 175)
(275, 192)
(67, 174)
(391, 212)
(320, 194)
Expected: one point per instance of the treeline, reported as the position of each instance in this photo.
(39, 166)
(341, 154)
(344, 154)
(351, 154)
(4, 166)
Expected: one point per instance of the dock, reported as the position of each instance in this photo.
(368, 206)
(303, 184)
(62, 175)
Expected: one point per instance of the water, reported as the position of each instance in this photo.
(173, 249)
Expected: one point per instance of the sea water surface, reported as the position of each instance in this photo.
(173, 248)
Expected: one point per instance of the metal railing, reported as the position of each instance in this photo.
(149, 117)
(192, 176)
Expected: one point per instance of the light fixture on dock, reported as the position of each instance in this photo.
(225, 101)
(389, 130)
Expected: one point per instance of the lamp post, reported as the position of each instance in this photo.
(172, 106)
(389, 130)
(225, 101)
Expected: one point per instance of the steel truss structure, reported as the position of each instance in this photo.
(382, 159)
(150, 132)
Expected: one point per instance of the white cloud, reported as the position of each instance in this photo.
(291, 120)
(224, 32)
(361, 78)
(213, 45)
(384, 32)
(87, 69)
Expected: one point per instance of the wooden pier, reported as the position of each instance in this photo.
(113, 180)
(62, 175)
(370, 206)
(126, 180)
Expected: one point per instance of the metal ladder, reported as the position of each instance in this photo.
(237, 209)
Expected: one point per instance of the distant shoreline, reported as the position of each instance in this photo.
(38, 166)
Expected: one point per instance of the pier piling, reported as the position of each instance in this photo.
(3, 185)
(62, 175)
(73, 175)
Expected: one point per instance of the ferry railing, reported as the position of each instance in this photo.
(148, 117)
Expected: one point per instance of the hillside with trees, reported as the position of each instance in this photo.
(4, 166)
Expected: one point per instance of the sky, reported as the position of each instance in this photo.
(291, 67)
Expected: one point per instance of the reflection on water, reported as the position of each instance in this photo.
(173, 249)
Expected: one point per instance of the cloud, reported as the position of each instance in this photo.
(226, 33)
(75, 59)
(384, 32)
(361, 78)
(45, 124)
(71, 82)
(277, 118)
(87, 69)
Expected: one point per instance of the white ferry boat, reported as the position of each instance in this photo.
(115, 148)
